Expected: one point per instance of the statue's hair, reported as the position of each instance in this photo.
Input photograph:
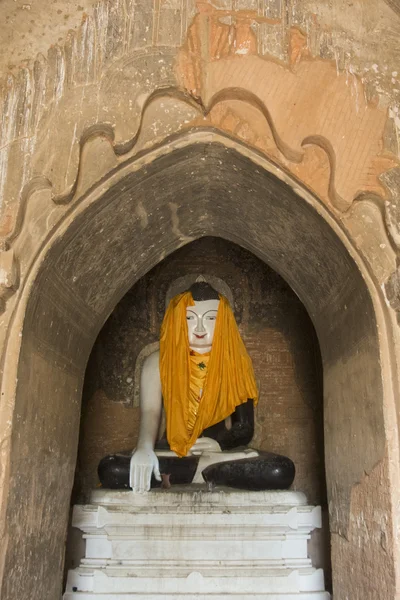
(201, 290)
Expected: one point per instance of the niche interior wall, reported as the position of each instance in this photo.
(278, 334)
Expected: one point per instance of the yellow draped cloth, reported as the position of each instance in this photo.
(229, 379)
(198, 373)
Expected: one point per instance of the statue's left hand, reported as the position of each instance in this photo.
(205, 444)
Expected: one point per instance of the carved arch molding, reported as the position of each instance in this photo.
(132, 77)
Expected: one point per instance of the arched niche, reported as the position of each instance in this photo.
(278, 334)
(107, 241)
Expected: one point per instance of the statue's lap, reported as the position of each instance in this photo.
(242, 469)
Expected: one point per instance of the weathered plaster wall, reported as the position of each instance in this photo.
(133, 74)
(359, 35)
(30, 27)
(267, 60)
(277, 332)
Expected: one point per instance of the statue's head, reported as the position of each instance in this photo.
(198, 319)
(202, 316)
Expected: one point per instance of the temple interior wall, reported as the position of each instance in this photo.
(318, 100)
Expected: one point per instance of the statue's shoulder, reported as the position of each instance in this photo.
(152, 361)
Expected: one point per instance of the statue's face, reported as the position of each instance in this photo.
(201, 320)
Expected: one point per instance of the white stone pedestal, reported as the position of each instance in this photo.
(192, 544)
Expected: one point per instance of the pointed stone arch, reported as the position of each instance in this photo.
(201, 183)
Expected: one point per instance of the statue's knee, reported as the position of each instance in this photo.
(280, 471)
(108, 463)
(264, 472)
(113, 471)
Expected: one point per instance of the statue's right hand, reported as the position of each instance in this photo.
(144, 463)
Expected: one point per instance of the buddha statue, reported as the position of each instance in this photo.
(204, 378)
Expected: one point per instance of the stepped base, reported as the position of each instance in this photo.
(191, 543)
